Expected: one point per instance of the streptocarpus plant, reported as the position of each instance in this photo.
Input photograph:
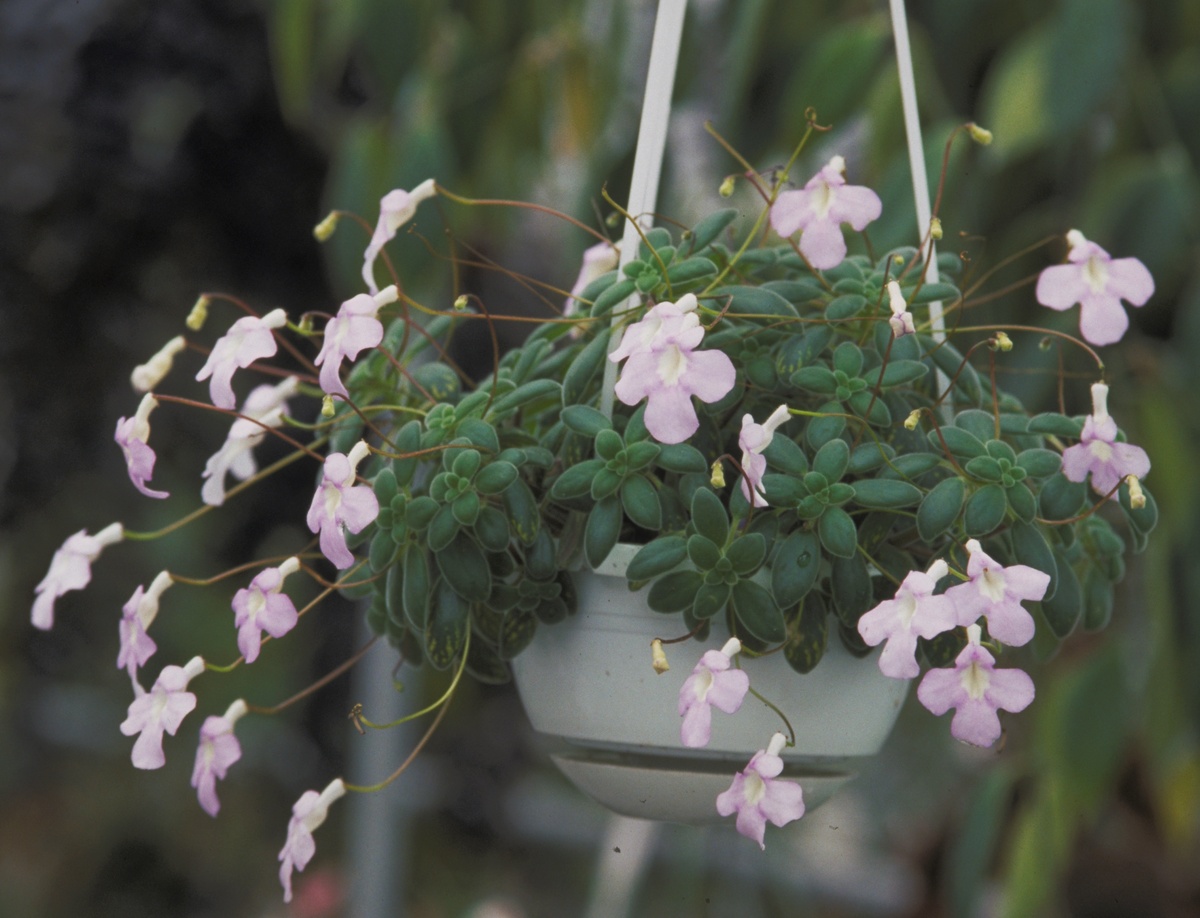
(797, 451)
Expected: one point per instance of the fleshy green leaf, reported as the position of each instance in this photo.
(940, 508)
(795, 567)
(602, 530)
(446, 630)
(885, 494)
(757, 613)
(838, 533)
(985, 510)
(657, 557)
(709, 516)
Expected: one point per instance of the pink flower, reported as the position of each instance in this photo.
(266, 405)
(218, 749)
(712, 682)
(901, 320)
(756, 796)
(395, 209)
(339, 505)
(136, 645)
(1098, 282)
(819, 209)
(914, 611)
(131, 435)
(996, 592)
(597, 261)
(248, 339)
(307, 815)
(149, 374)
(753, 439)
(71, 569)
(1099, 454)
(163, 708)
(352, 330)
(976, 690)
(663, 367)
(263, 607)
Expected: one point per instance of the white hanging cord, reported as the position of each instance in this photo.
(916, 154)
(647, 158)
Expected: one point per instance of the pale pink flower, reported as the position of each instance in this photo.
(996, 592)
(352, 330)
(264, 607)
(976, 690)
(395, 209)
(148, 375)
(597, 261)
(71, 569)
(1098, 282)
(757, 796)
(131, 435)
(339, 505)
(307, 815)
(163, 708)
(713, 682)
(901, 320)
(137, 614)
(1099, 454)
(753, 439)
(218, 749)
(265, 405)
(914, 612)
(248, 339)
(663, 366)
(818, 210)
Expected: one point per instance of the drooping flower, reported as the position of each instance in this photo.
(1099, 454)
(352, 330)
(264, 607)
(757, 796)
(248, 339)
(597, 261)
(914, 612)
(163, 708)
(149, 374)
(819, 208)
(339, 505)
(395, 209)
(307, 815)
(131, 435)
(713, 682)
(71, 569)
(265, 406)
(663, 366)
(137, 614)
(218, 749)
(901, 320)
(1097, 282)
(996, 592)
(753, 439)
(976, 690)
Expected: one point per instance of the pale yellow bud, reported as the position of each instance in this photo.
(1003, 342)
(913, 419)
(327, 406)
(981, 136)
(461, 302)
(325, 228)
(199, 314)
(935, 227)
(658, 657)
(1137, 497)
(149, 374)
(897, 260)
(727, 186)
(718, 475)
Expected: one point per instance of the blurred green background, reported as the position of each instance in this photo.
(154, 149)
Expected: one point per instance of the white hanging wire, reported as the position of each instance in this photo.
(648, 156)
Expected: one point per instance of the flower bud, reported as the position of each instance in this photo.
(151, 373)
(981, 136)
(913, 419)
(727, 186)
(327, 406)
(199, 314)
(1137, 497)
(325, 228)
(935, 227)
(1002, 342)
(461, 303)
(305, 325)
(658, 657)
(718, 475)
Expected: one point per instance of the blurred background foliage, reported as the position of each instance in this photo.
(152, 150)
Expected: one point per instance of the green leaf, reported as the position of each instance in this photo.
(382, 551)
(808, 635)
(815, 378)
(584, 368)
(1064, 608)
(709, 228)
(940, 508)
(703, 552)
(385, 486)
(585, 420)
(464, 568)
(985, 510)
(641, 503)
(885, 494)
(443, 528)
(617, 293)
(785, 454)
(1061, 499)
(690, 269)
(961, 444)
(1039, 463)
(657, 557)
(529, 392)
(522, 511)
(1087, 48)
(709, 516)
(755, 301)
(681, 457)
(711, 599)
(1022, 502)
(407, 440)
(539, 559)
(930, 293)
(1144, 519)
(845, 307)
(491, 528)
(852, 595)
(484, 665)
(416, 587)
(393, 593)
(1056, 425)
(985, 468)
(747, 553)
(795, 568)
(480, 433)
(838, 533)
(576, 480)
(674, 592)
(602, 530)
(757, 613)
(605, 484)
(446, 630)
(898, 373)
(1031, 549)
(516, 631)
(832, 459)
(466, 508)
(947, 358)
(437, 379)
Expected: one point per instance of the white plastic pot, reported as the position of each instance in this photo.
(612, 723)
